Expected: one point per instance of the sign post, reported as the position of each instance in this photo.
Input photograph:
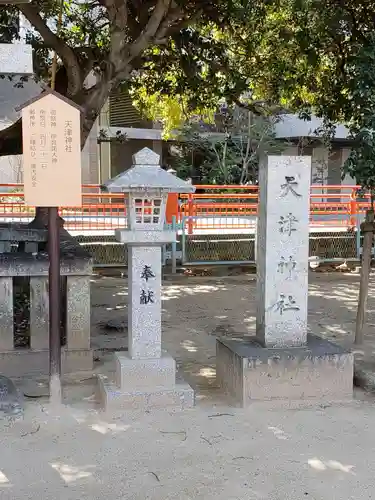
(51, 135)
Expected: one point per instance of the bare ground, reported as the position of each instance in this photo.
(212, 451)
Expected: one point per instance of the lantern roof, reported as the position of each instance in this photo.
(146, 174)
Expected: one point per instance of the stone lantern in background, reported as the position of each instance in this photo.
(146, 376)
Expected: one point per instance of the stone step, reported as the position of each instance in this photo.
(110, 397)
(136, 374)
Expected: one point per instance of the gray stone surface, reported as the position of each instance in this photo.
(16, 58)
(78, 312)
(282, 250)
(75, 261)
(180, 396)
(248, 372)
(39, 313)
(76, 264)
(144, 312)
(6, 314)
(10, 399)
(145, 238)
(32, 363)
(22, 232)
(136, 374)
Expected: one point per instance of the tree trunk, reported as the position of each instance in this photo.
(368, 236)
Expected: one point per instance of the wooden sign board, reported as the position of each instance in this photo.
(51, 134)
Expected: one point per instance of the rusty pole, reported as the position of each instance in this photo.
(54, 304)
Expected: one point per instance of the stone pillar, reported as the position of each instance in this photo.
(78, 312)
(282, 253)
(39, 313)
(281, 362)
(144, 314)
(6, 314)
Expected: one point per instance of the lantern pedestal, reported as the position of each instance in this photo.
(146, 376)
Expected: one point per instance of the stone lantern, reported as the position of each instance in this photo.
(146, 376)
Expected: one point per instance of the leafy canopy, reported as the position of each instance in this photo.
(175, 49)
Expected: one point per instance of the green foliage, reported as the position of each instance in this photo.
(361, 162)
(228, 151)
(177, 58)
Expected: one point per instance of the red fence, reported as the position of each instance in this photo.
(212, 207)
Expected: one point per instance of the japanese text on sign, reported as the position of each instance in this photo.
(51, 153)
(68, 136)
(32, 117)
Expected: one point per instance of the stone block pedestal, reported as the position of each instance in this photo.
(319, 371)
(144, 384)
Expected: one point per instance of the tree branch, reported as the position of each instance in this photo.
(168, 25)
(259, 108)
(31, 12)
(142, 42)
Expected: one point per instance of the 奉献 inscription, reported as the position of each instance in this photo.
(147, 297)
(147, 273)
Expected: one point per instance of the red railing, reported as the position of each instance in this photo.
(212, 207)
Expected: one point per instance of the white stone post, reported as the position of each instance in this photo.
(144, 314)
(282, 251)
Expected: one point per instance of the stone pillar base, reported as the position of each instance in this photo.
(320, 371)
(144, 384)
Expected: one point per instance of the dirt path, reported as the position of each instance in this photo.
(197, 310)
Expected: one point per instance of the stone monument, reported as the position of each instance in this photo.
(281, 361)
(146, 376)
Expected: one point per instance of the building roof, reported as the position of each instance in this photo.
(12, 95)
(146, 174)
(48, 91)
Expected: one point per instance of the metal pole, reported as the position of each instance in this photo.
(174, 245)
(54, 305)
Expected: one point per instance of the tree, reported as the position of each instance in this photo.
(225, 150)
(335, 40)
(128, 43)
